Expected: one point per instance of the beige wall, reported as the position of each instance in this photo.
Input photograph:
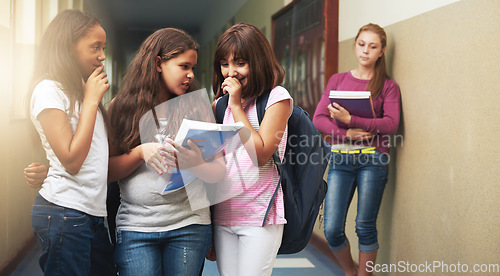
(259, 13)
(16, 198)
(355, 13)
(441, 202)
(18, 36)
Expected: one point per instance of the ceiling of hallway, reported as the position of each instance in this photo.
(129, 22)
(193, 16)
(149, 15)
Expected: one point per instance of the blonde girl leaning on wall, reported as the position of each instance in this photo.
(360, 151)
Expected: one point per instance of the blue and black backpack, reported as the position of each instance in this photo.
(301, 174)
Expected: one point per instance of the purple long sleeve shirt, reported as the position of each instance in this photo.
(386, 106)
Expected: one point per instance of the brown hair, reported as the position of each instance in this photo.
(247, 42)
(380, 73)
(56, 59)
(141, 84)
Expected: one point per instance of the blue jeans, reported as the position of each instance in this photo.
(367, 172)
(73, 242)
(176, 252)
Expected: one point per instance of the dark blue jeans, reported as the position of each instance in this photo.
(368, 173)
(73, 243)
(176, 252)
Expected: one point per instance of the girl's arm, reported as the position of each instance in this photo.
(271, 130)
(389, 122)
(191, 159)
(337, 112)
(322, 118)
(272, 127)
(157, 156)
(72, 149)
(122, 164)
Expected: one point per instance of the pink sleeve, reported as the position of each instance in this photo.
(389, 121)
(322, 120)
(278, 94)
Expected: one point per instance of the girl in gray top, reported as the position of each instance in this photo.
(158, 234)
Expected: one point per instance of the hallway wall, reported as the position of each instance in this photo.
(441, 202)
(16, 198)
(18, 35)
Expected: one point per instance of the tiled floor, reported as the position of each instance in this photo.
(308, 262)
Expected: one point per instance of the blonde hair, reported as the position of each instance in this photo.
(377, 81)
(56, 58)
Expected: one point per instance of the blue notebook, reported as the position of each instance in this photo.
(358, 103)
(211, 138)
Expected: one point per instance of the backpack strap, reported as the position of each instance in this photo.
(261, 109)
(261, 105)
(220, 108)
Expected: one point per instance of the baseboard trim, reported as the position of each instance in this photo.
(19, 257)
(321, 244)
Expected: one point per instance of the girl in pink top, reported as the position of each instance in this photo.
(359, 152)
(245, 67)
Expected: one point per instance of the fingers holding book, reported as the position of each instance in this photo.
(183, 157)
(339, 113)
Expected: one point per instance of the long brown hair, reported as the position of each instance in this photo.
(247, 42)
(380, 73)
(56, 59)
(141, 84)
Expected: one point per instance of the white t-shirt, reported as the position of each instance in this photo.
(85, 191)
